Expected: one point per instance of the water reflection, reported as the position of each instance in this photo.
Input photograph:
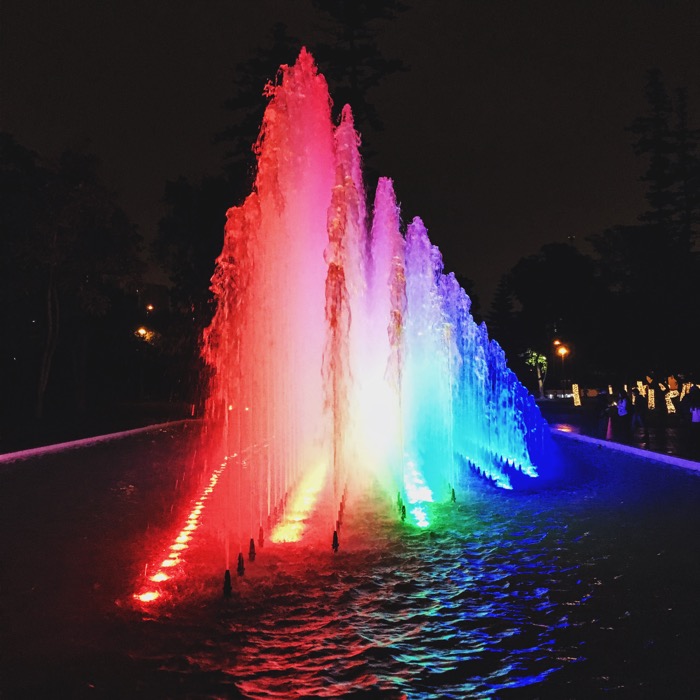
(570, 592)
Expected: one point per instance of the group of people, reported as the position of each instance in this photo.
(622, 416)
(632, 414)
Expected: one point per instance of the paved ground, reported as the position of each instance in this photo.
(666, 434)
(76, 527)
(103, 421)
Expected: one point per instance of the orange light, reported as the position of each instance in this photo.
(303, 501)
(144, 334)
(150, 307)
(180, 542)
(563, 350)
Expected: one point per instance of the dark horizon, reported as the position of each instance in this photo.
(507, 131)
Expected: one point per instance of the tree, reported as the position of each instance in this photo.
(69, 251)
(501, 317)
(189, 239)
(537, 362)
(654, 141)
(247, 106)
(554, 292)
(346, 49)
(650, 267)
(351, 58)
(687, 173)
(190, 235)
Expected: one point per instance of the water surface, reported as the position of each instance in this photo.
(587, 588)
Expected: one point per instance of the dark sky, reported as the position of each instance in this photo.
(506, 133)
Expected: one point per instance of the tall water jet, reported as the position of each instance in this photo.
(339, 347)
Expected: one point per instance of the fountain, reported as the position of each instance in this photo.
(341, 352)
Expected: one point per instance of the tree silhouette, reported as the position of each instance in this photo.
(69, 252)
(351, 59)
(553, 293)
(687, 173)
(501, 318)
(344, 44)
(654, 140)
(247, 106)
(650, 267)
(190, 235)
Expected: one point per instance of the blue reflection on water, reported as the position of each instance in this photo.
(583, 588)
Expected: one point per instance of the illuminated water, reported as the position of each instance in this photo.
(586, 588)
(583, 590)
(340, 350)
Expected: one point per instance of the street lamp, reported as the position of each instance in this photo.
(145, 334)
(562, 351)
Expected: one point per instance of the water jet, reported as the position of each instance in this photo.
(340, 351)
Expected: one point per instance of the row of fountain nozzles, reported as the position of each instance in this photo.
(240, 567)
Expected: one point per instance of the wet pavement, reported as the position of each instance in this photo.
(665, 434)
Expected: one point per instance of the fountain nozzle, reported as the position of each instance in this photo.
(227, 584)
(335, 544)
(251, 550)
(241, 564)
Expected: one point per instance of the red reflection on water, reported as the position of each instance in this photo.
(179, 543)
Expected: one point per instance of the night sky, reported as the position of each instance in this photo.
(507, 131)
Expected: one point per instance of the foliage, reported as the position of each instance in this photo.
(189, 239)
(346, 49)
(554, 292)
(246, 106)
(537, 362)
(351, 59)
(651, 267)
(190, 235)
(68, 253)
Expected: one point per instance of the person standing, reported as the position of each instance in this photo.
(623, 416)
(603, 414)
(694, 406)
(639, 415)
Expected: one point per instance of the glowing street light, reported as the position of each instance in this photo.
(145, 334)
(562, 351)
